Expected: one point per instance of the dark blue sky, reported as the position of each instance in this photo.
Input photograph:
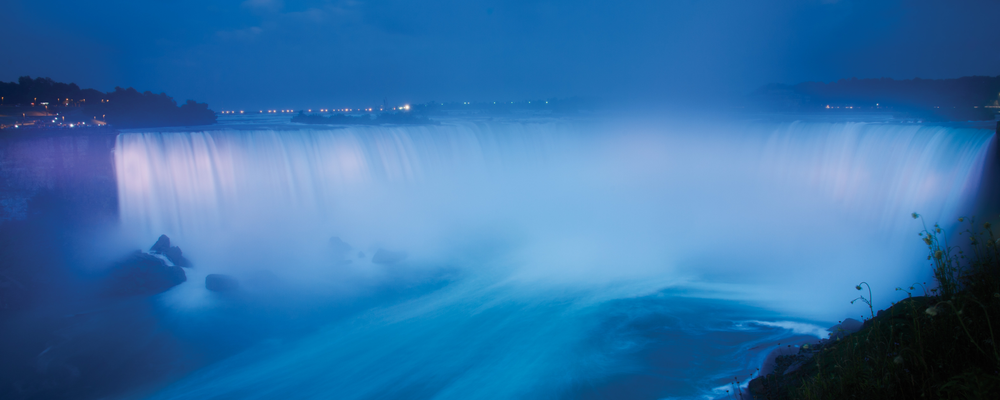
(349, 53)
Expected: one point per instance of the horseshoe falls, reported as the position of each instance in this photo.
(536, 258)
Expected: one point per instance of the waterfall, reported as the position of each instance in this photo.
(786, 217)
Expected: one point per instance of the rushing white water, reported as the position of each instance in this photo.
(545, 224)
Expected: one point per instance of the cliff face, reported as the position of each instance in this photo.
(74, 326)
(73, 173)
(54, 190)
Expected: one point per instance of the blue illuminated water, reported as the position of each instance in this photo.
(544, 258)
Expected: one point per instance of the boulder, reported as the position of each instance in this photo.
(789, 357)
(172, 253)
(386, 257)
(770, 362)
(847, 327)
(340, 250)
(221, 283)
(143, 274)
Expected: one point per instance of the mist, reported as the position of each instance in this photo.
(763, 213)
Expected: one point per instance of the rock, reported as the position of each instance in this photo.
(340, 250)
(221, 283)
(847, 327)
(387, 257)
(770, 362)
(173, 253)
(339, 247)
(143, 274)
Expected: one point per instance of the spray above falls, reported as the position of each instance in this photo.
(736, 210)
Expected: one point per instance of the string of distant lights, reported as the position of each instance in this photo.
(324, 110)
(333, 110)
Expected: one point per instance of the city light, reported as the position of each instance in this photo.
(405, 107)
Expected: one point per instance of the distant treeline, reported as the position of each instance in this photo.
(44, 90)
(966, 98)
(398, 118)
(122, 108)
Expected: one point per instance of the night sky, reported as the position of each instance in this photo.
(350, 53)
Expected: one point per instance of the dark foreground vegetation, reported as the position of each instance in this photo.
(941, 345)
(42, 102)
(962, 99)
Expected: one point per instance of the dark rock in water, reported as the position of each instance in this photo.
(221, 283)
(386, 257)
(339, 247)
(162, 244)
(340, 250)
(143, 274)
(173, 253)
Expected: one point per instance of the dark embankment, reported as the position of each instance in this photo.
(58, 167)
(75, 316)
(938, 346)
(988, 199)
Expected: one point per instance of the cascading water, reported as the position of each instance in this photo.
(577, 258)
